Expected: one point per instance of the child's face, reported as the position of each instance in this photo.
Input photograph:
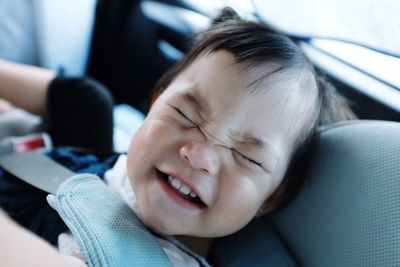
(226, 145)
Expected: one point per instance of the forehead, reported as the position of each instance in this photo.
(236, 99)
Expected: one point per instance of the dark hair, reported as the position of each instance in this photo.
(253, 44)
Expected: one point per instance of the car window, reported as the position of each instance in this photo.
(368, 22)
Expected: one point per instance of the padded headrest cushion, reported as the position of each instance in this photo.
(256, 245)
(347, 212)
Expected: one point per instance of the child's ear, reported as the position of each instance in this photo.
(155, 96)
(265, 208)
(227, 13)
(273, 202)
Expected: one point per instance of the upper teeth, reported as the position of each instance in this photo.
(182, 188)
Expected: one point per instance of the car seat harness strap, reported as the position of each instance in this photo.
(108, 232)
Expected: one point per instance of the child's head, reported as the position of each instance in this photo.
(230, 118)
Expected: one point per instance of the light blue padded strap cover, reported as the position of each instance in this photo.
(108, 232)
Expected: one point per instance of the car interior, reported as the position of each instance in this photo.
(346, 211)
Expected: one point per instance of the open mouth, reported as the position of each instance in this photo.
(181, 190)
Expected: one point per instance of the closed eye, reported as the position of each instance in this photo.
(183, 115)
(252, 161)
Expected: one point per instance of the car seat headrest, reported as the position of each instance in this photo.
(347, 211)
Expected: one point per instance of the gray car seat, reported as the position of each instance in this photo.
(346, 213)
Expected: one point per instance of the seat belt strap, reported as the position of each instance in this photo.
(36, 169)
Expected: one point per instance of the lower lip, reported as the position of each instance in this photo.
(176, 196)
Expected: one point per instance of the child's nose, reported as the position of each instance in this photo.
(201, 156)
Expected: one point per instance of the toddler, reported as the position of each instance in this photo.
(224, 127)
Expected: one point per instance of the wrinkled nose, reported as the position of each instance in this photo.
(201, 156)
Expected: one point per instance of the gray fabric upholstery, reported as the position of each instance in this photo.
(256, 245)
(347, 212)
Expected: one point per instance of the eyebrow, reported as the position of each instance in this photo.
(198, 102)
(253, 140)
(248, 138)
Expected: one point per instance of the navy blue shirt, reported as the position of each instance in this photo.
(27, 205)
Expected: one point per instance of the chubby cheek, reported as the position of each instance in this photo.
(149, 143)
(152, 144)
(145, 150)
(237, 204)
(134, 153)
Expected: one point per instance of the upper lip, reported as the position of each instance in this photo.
(188, 183)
